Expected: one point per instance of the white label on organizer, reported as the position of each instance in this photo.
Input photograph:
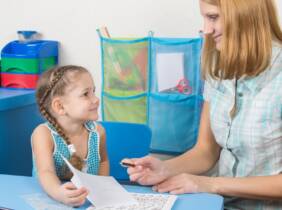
(170, 70)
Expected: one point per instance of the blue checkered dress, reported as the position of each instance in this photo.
(252, 141)
(92, 162)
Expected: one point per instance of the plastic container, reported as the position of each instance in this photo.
(23, 62)
(25, 81)
(27, 36)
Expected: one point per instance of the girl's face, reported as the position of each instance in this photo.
(212, 22)
(80, 102)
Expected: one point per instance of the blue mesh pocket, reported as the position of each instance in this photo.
(190, 49)
(174, 121)
(125, 109)
(125, 65)
(174, 113)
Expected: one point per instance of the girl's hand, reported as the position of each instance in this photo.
(184, 183)
(71, 196)
(147, 170)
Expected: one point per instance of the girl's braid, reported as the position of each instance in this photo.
(58, 74)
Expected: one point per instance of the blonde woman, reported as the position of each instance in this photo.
(241, 122)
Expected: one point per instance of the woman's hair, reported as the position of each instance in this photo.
(53, 82)
(249, 27)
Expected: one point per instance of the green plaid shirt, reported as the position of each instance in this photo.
(252, 141)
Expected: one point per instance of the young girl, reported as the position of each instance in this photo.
(241, 122)
(66, 98)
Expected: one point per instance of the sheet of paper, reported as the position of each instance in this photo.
(103, 190)
(170, 69)
(146, 201)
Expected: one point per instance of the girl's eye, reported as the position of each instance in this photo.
(85, 94)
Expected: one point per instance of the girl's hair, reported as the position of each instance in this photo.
(53, 82)
(249, 27)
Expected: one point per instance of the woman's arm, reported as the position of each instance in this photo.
(43, 147)
(261, 187)
(200, 159)
(203, 156)
(104, 164)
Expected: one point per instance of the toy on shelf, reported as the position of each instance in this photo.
(25, 59)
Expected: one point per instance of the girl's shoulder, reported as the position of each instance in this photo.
(41, 138)
(100, 129)
(41, 128)
(94, 126)
(42, 132)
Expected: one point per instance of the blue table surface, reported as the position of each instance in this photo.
(14, 98)
(12, 188)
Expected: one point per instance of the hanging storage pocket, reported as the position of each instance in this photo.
(154, 81)
(125, 66)
(175, 94)
(125, 109)
(174, 122)
(124, 83)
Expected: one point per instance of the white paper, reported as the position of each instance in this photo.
(170, 69)
(103, 190)
(146, 201)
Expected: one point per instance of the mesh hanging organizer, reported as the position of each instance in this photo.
(154, 81)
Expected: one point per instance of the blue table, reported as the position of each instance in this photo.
(12, 188)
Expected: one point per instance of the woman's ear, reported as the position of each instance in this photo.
(57, 106)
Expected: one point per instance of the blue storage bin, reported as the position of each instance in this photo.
(18, 117)
(29, 57)
(27, 60)
(34, 49)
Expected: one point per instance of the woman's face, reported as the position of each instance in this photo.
(212, 22)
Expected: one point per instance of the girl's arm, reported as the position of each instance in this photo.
(104, 164)
(43, 147)
(204, 154)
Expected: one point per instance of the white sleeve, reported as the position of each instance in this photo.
(207, 90)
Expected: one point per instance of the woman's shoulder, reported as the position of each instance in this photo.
(213, 83)
(276, 60)
(277, 44)
(277, 49)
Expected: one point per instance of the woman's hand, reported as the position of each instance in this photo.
(147, 170)
(70, 195)
(185, 183)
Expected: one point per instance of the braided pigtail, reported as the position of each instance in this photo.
(50, 84)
